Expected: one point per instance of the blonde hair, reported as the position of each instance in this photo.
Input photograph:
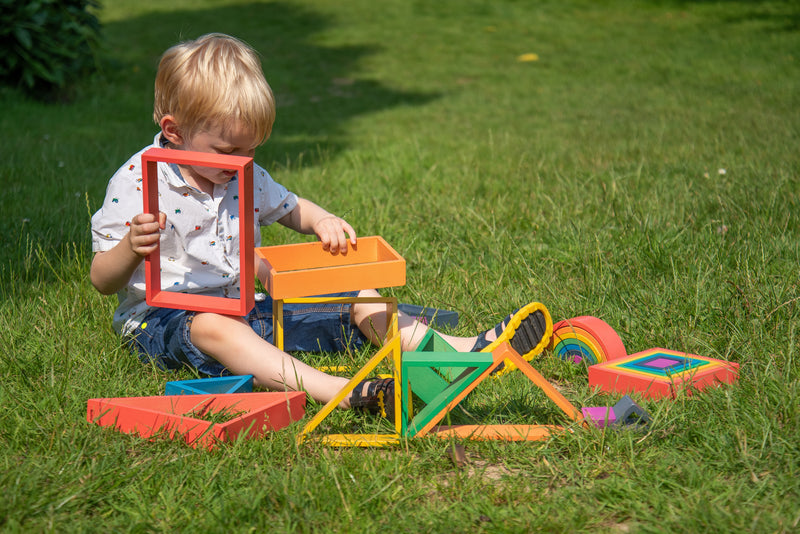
(214, 81)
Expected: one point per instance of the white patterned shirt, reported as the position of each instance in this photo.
(199, 247)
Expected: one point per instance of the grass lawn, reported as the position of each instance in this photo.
(642, 167)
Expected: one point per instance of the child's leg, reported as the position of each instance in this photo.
(233, 343)
(371, 319)
(528, 323)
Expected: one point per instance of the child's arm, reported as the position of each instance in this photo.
(111, 270)
(332, 231)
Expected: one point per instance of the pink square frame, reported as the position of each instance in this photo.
(155, 296)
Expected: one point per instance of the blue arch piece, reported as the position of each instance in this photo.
(573, 347)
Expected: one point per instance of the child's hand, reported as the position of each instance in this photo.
(331, 232)
(144, 233)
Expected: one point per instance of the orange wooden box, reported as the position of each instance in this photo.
(305, 269)
(179, 416)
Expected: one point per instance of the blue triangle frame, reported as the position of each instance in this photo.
(206, 386)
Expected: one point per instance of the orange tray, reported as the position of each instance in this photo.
(305, 269)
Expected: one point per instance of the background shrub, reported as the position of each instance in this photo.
(46, 45)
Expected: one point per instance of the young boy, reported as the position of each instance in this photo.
(211, 96)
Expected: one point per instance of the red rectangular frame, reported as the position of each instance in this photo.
(155, 295)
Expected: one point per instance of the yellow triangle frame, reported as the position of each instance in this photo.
(392, 350)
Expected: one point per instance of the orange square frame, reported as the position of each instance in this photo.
(155, 295)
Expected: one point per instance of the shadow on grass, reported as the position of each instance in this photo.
(775, 15)
(317, 86)
(73, 150)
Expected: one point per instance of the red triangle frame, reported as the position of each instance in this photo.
(180, 416)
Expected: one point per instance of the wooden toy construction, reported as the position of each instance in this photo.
(472, 369)
(441, 377)
(205, 386)
(586, 339)
(155, 295)
(476, 367)
(296, 271)
(658, 373)
(191, 417)
(390, 351)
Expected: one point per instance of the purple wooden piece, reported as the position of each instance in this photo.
(600, 416)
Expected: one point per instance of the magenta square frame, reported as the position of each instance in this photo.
(154, 294)
(662, 363)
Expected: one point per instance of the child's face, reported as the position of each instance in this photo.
(236, 141)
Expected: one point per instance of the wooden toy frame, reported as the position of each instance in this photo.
(294, 272)
(424, 376)
(686, 372)
(502, 353)
(391, 349)
(155, 295)
(211, 385)
(179, 417)
(305, 269)
(298, 270)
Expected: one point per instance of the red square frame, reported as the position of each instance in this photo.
(154, 294)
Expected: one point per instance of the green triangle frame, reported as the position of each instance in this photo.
(480, 367)
(421, 374)
(428, 381)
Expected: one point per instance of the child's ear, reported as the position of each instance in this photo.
(171, 130)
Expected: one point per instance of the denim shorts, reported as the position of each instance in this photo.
(164, 335)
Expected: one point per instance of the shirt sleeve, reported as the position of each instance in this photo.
(123, 201)
(272, 200)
